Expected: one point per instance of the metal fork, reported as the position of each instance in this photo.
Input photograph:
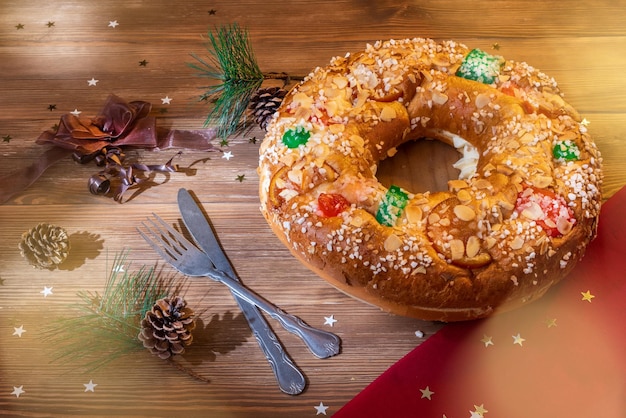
(186, 258)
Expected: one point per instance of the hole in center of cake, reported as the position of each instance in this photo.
(420, 166)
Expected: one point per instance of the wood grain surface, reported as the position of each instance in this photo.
(49, 51)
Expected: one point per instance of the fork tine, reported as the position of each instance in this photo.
(152, 242)
(180, 238)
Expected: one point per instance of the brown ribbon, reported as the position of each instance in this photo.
(119, 124)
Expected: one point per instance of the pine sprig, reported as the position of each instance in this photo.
(233, 64)
(107, 325)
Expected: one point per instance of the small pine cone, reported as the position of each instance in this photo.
(166, 328)
(264, 103)
(45, 246)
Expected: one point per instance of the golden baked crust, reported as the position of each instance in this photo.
(513, 224)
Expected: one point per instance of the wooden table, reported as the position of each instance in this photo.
(50, 51)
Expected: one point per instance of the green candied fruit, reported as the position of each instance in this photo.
(391, 206)
(566, 150)
(295, 137)
(480, 66)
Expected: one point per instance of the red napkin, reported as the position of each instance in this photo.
(562, 356)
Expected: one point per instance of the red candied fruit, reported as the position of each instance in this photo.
(547, 209)
(332, 204)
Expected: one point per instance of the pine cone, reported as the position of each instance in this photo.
(45, 246)
(166, 328)
(265, 103)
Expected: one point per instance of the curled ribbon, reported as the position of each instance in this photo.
(120, 124)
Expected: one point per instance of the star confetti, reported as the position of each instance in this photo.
(224, 143)
(496, 46)
(321, 409)
(240, 178)
(330, 320)
(228, 155)
(75, 112)
(18, 390)
(7, 138)
(419, 334)
(212, 11)
(50, 24)
(551, 322)
(480, 410)
(46, 291)
(427, 393)
(143, 63)
(90, 387)
(587, 296)
(52, 107)
(166, 100)
(487, 340)
(252, 140)
(585, 122)
(517, 339)
(113, 23)
(19, 331)
(19, 26)
(92, 82)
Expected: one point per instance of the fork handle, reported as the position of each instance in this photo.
(321, 343)
(290, 379)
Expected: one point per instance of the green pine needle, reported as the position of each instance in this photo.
(233, 65)
(108, 325)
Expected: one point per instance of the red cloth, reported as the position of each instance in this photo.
(571, 362)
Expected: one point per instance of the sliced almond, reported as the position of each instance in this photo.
(387, 114)
(473, 246)
(464, 196)
(392, 243)
(413, 213)
(439, 98)
(517, 243)
(482, 100)
(457, 249)
(563, 225)
(464, 213)
(533, 212)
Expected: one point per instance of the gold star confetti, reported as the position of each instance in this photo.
(517, 339)
(7, 138)
(480, 409)
(224, 143)
(50, 24)
(52, 107)
(587, 296)
(496, 46)
(143, 63)
(487, 340)
(241, 178)
(19, 26)
(427, 393)
(551, 322)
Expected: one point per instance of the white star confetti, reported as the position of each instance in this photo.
(90, 387)
(92, 82)
(517, 339)
(119, 269)
(585, 122)
(166, 100)
(419, 334)
(75, 112)
(487, 340)
(228, 155)
(46, 291)
(427, 393)
(18, 390)
(113, 23)
(329, 320)
(19, 331)
(321, 409)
